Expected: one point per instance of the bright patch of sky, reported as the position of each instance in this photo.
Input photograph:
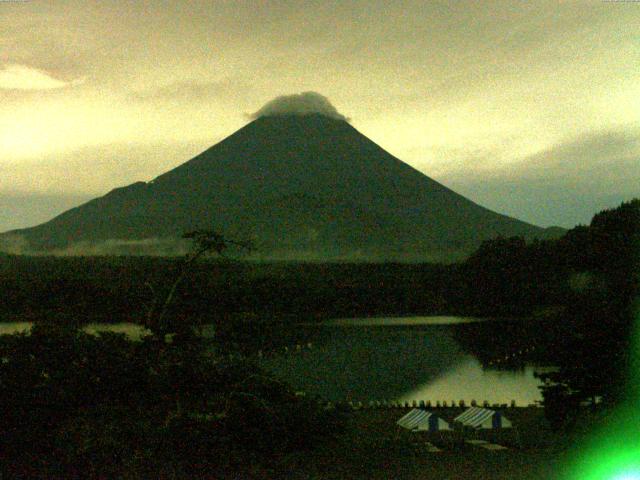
(519, 106)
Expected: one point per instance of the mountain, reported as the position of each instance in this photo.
(303, 187)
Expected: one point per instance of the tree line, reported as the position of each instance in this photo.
(74, 403)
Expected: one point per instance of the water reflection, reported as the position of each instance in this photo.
(408, 358)
(14, 327)
(402, 321)
(133, 331)
(468, 381)
(366, 363)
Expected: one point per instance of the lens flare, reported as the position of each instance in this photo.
(627, 476)
(614, 452)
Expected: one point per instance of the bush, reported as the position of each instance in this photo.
(102, 406)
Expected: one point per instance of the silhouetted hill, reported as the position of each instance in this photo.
(303, 187)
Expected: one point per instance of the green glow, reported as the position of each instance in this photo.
(614, 451)
(634, 373)
(628, 476)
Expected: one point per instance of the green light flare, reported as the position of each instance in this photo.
(610, 460)
(627, 476)
(634, 370)
(614, 452)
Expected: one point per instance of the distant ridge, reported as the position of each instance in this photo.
(303, 187)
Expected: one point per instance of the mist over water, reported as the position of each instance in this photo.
(16, 244)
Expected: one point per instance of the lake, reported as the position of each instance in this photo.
(390, 358)
(132, 330)
(400, 358)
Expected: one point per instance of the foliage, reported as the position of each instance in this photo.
(70, 400)
(167, 406)
(103, 406)
(593, 342)
(577, 294)
(116, 289)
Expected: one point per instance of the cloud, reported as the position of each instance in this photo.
(94, 169)
(190, 91)
(564, 184)
(591, 156)
(305, 103)
(601, 159)
(20, 210)
(22, 77)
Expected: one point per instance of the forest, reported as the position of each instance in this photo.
(82, 406)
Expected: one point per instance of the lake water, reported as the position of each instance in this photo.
(393, 358)
(401, 358)
(401, 321)
(132, 330)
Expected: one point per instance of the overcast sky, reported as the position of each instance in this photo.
(531, 109)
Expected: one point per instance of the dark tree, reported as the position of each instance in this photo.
(205, 242)
(594, 340)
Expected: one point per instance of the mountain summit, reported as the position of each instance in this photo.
(305, 103)
(302, 185)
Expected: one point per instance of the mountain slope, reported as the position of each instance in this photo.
(303, 187)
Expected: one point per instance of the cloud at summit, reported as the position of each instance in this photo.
(445, 86)
(305, 103)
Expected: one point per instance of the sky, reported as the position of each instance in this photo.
(531, 109)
